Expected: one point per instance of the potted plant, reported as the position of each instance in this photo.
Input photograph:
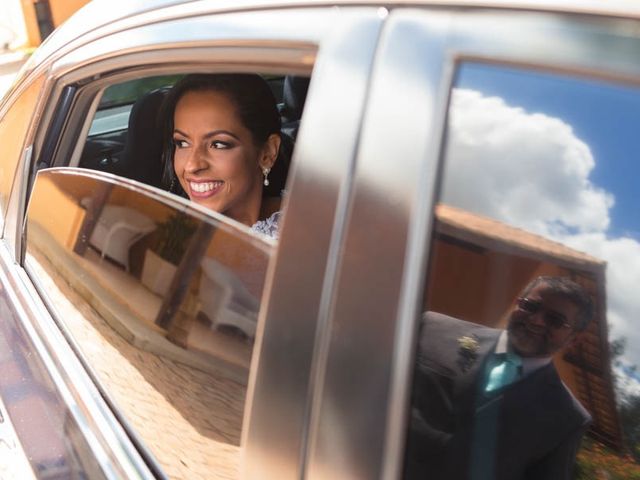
(162, 259)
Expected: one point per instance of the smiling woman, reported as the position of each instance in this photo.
(222, 140)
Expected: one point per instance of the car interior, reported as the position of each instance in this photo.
(133, 148)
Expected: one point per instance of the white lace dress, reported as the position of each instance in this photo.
(268, 227)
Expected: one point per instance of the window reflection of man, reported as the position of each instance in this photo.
(489, 404)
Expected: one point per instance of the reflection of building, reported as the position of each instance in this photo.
(479, 266)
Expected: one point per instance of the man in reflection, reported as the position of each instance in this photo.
(488, 404)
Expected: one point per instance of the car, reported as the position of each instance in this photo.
(437, 155)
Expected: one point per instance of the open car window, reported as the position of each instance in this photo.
(126, 134)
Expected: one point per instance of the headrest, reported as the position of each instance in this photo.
(143, 150)
(294, 95)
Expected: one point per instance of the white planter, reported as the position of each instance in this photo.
(157, 273)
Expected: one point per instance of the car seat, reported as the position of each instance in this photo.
(294, 96)
(142, 156)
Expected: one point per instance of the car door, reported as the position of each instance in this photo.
(476, 171)
(127, 396)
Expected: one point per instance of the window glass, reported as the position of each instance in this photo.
(162, 304)
(161, 293)
(13, 128)
(127, 93)
(117, 100)
(536, 227)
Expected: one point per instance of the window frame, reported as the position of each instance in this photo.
(7, 215)
(292, 50)
(380, 338)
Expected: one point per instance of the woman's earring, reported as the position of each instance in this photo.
(265, 172)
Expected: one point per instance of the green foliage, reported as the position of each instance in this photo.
(173, 237)
(629, 411)
(595, 462)
(128, 92)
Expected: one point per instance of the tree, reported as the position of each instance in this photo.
(628, 401)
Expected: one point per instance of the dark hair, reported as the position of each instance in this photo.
(251, 95)
(572, 291)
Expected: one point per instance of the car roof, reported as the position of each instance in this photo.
(99, 17)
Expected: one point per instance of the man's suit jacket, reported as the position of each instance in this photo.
(530, 429)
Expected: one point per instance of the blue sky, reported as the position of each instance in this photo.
(516, 146)
(609, 122)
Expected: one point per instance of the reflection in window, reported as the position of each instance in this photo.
(13, 128)
(163, 305)
(538, 181)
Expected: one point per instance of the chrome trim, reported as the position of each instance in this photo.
(382, 263)
(376, 337)
(279, 386)
(111, 447)
(19, 228)
(549, 42)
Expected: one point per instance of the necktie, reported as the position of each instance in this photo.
(505, 372)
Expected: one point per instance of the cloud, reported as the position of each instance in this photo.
(498, 166)
(622, 255)
(539, 186)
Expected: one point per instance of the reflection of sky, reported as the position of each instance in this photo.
(523, 147)
(608, 123)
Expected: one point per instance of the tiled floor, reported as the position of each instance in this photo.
(188, 418)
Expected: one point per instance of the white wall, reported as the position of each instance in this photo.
(12, 27)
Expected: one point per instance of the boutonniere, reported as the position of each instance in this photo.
(468, 351)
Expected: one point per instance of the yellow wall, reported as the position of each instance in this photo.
(63, 9)
(479, 285)
(60, 11)
(31, 23)
(62, 222)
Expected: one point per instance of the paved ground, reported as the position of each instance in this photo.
(189, 419)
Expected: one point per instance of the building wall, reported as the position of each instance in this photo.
(60, 10)
(63, 9)
(30, 23)
(11, 17)
(477, 284)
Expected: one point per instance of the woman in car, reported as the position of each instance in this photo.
(222, 140)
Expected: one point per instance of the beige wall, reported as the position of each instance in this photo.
(62, 222)
(63, 9)
(60, 11)
(31, 23)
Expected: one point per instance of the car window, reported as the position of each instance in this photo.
(117, 100)
(162, 303)
(127, 134)
(13, 129)
(535, 227)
